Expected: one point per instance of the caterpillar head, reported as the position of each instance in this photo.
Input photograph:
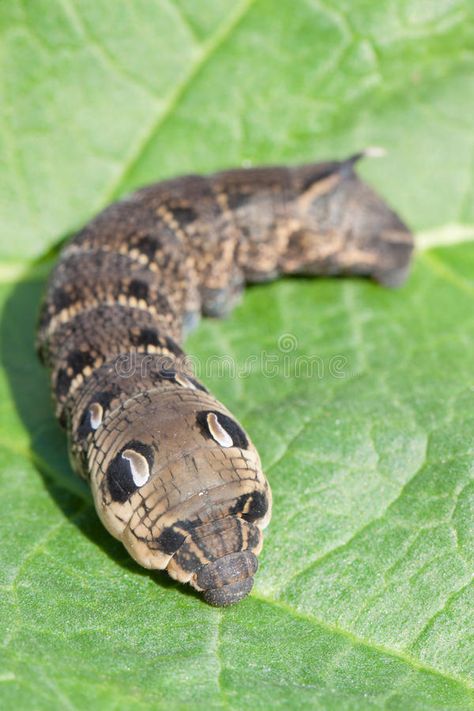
(167, 467)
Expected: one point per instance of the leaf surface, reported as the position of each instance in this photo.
(364, 598)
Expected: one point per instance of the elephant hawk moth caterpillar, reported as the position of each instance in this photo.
(173, 474)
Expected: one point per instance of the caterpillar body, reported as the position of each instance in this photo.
(173, 474)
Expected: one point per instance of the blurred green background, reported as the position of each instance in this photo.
(364, 599)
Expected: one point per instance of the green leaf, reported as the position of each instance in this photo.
(364, 599)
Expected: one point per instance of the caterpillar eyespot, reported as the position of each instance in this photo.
(217, 431)
(173, 475)
(129, 470)
(96, 414)
(138, 466)
(223, 429)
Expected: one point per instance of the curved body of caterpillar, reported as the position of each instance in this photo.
(173, 475)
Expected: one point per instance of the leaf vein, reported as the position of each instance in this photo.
(355, 640)
(222, 34)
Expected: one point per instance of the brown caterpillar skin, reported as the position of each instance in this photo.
(173, 475)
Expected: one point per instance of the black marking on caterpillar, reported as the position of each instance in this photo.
(230, 427)
(252, 507)
(146, 337)
(170, 539)
(158, 449)
(120, 481)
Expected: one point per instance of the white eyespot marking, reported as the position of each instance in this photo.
(218, 432)
(138, 466)
(184, 382)
(96, 412)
